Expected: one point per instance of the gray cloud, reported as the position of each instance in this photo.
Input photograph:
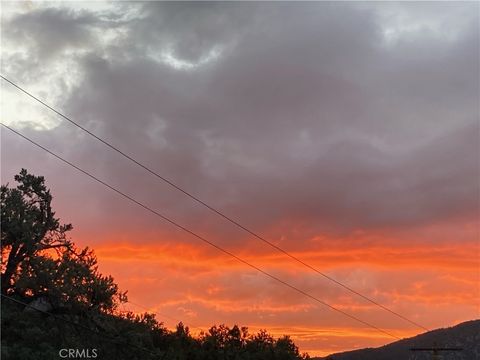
(308, 113)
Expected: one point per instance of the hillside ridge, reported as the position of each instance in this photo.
(465, 335)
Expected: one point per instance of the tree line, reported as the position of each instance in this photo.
(55, 300)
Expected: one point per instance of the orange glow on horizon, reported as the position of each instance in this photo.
(201, 287)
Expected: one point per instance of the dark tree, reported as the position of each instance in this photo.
(39, 262)
(28, 225)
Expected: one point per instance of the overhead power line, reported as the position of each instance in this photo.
(205, 240)
(110, 338)
(216, 211)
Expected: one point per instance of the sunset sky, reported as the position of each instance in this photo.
(345, 133)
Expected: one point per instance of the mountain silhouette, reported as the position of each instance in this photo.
(465, 336)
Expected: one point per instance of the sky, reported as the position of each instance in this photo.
(346, 133)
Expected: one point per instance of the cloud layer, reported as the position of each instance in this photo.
(351, 126)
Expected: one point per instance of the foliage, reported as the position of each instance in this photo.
(28, 225)
(39, 262)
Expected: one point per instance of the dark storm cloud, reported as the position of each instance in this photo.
(191, 29)
(356, 185)
(307, 113)
(50, 30)
(51, 33)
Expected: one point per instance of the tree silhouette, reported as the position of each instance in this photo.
(28, 225)
(39, 262)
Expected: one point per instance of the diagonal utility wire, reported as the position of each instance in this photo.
(111, 338)
(218, 212)
(205, 240)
